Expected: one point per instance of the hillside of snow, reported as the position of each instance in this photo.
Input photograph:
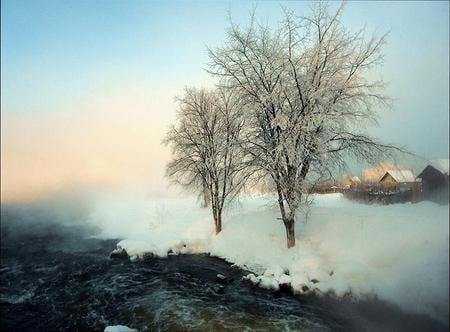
(397, 252)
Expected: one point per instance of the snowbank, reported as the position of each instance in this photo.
(119, 328)
(396, 252)
(153, 226)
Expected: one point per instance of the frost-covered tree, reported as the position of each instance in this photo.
(204, 195)
(308, 98)
(205, 143)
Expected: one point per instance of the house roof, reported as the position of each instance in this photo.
(403, 175)
(441, 165)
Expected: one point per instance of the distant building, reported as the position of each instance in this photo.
(394, 180)
(348, 182)
(374, 174)
(324, 185)
(434, 179)
(355, 181)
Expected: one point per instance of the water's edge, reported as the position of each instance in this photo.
(59, 279)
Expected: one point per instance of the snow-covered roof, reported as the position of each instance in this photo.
(441, 165)
(355, 179)
(403, 175)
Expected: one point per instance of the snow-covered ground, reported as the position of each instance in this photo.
(397, 252)
(119, 328)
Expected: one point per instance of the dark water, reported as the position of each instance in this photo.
(55, 278)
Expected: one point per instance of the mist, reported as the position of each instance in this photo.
(88, 95)
(103, 145)
(167, 221)
(98, 122)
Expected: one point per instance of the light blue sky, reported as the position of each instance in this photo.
(55, 53)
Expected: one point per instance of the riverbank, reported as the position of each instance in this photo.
(403, 248)
(60, 278)
(398, 253)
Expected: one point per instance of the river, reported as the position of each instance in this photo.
(58, 278)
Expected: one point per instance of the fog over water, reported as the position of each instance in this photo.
(131, 215)
(63, 280)
(88, 94)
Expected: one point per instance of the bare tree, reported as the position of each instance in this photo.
(204, 195)
(307, 95)
(206, 149)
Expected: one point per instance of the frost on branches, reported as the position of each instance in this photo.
(205, 146)
(306, 98)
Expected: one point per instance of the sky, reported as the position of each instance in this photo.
(88, 87)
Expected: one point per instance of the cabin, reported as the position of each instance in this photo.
(435, 178)
(350, 182)
(435, 175)
(397, 180)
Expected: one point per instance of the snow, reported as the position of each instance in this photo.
(119, 328)
(403, 175)
(252, 278)
(136, 248)
(268, 283)
(441, 165)
(153, 226)
(397, 252)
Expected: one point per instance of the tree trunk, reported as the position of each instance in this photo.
(218, 222)
(206, 197)
(289, 224)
